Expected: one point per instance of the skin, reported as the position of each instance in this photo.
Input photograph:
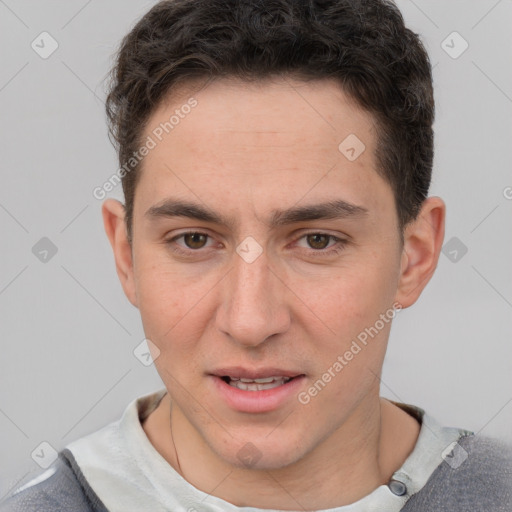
(244, 151)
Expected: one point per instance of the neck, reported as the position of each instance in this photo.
(354, 460)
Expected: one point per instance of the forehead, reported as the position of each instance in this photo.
(279, 139)
(265, 114)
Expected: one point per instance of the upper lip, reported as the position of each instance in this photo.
(239, 372)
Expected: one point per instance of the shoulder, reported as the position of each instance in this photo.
(62, 487)
(475, 475)
(484, 465)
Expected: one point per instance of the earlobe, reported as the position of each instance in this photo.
(113, 213)
(423, 240)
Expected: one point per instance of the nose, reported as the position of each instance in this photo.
(253, 304)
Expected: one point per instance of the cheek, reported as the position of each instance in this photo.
(347, 323)
(174, 308)
(349, 362)
(351, 298)
(159, 304)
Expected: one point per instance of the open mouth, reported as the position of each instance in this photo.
(256, 384)
(257, 391)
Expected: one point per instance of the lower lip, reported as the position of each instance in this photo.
(257, 401)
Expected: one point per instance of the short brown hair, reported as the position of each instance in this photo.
(363, 44)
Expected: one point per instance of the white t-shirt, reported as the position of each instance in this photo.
(128, 474)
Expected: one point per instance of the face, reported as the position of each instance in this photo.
(260, 250)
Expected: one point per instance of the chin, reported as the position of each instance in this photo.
(259, 452)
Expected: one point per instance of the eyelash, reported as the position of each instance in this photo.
(335, 249)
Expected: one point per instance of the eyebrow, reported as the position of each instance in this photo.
(337, 209)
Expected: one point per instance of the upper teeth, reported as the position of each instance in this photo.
(264, 380)
(257, 384)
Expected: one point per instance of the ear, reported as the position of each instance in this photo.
(423, 240)
(115, 226)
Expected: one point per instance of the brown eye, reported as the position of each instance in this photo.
(195, 240)
(318, 240)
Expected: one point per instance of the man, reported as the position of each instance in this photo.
(276, 160)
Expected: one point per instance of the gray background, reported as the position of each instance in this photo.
(68, 333)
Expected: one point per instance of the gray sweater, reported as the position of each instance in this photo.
(483, 483)
(118, 469)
